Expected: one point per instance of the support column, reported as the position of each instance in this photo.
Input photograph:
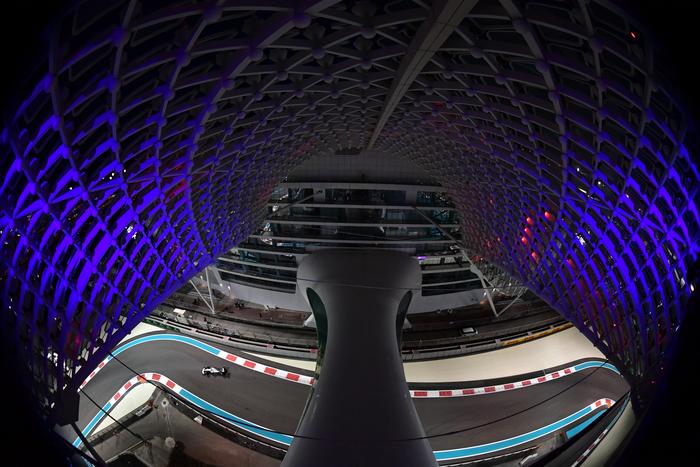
(360, 412)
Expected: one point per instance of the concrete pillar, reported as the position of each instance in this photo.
(411, 196)
(360, 412)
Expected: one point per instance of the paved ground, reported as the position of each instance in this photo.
(194, 444)
(279, 404)
(547, 352)
(427, 331)
(253, 396)
(497, 416)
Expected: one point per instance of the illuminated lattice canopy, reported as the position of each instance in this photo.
(156, 131)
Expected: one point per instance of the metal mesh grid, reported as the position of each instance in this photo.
(158, 130)
(548, 124)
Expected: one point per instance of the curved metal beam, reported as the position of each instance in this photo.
(444, 18)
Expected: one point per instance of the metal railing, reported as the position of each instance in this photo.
(306, 348)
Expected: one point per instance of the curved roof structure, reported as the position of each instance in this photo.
(155, 132)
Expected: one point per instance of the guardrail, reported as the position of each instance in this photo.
(574, 451)
(189, 306)
(253, 346)
(488, 332)
(244, 331)
(481, 346)
(289, 348)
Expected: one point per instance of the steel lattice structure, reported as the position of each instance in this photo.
(157, 130)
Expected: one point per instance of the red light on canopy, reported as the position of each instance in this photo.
(633, 35)
(524, 240)
(529, 220)
(548, 216)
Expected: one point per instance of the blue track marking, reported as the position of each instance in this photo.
(215, 351)
(581, 426)
(241, 423)
(511, 442)
(596, 364)
(93, 423)
(235, 420)
(444, 455)
(286, 439)
(168, 337)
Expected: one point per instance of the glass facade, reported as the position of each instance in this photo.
(351, 217)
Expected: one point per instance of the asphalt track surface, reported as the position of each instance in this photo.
(278, 404)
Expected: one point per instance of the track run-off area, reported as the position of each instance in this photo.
(267, 400)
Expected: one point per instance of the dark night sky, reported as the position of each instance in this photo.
(22, 25)
(674, 24)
